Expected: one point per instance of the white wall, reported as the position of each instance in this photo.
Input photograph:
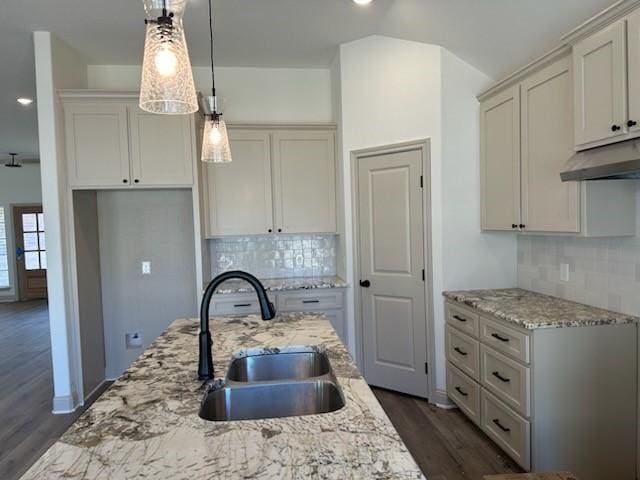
(17, 186)
(246, 94)
(58, 66)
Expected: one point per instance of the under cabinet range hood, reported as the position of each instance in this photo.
(617, 161)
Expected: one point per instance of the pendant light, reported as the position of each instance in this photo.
(215, 140)
(167, 84)
(13, 163)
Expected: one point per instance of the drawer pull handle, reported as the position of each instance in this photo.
(460, 319)
(311, 301)
(500, 426)
(240, 305)
(502, 339)
(461, 392)
(461, 352)
(500, 377)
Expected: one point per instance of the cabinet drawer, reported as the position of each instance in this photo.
(504, 339)
(463, 318)
(508, 429)
(506, 378)
(464, 392)
(463, 351)
(309, 301)
(234, 304)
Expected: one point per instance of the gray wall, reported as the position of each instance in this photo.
(154, 225)
(275, 256)
(603, 272)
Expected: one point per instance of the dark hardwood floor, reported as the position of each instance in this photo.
(27, 426)
(446, 445)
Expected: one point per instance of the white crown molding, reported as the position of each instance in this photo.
(281, 126)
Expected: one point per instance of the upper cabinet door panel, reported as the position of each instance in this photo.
(600, 86)
(633, 36)
(548, 204)
(97, 145)
(161, 148)
(304, 183)
(239, 193)
(500, 160)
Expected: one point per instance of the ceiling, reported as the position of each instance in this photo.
(496, 36)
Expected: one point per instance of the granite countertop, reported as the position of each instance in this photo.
(146, 425)
(533, 310)
(282, 284)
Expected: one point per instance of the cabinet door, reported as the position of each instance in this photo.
(238, 193)
(97, 145)
(500, 160)
(548, 204)
(633, 37)
(161, 152)
(304, 183)
(599, 63)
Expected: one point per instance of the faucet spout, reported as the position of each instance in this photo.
(268, 311)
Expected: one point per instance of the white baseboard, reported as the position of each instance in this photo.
(441, 400)
(64, 404)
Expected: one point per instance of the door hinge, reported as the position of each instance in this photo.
(423, 274)
(421, 181)
(426, 368)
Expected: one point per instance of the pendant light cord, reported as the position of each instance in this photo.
(213, 80)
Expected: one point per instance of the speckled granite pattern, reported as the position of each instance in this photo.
(282, 284)
(533, 310)
(146, 425)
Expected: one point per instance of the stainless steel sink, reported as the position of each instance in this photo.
(269, 400)
(280, 366)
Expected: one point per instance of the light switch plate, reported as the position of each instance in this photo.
(564, 272)
(146, 267)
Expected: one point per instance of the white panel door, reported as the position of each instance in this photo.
(161, 152)
(548, 204)
(500, 160)
(239, 193)
(599, 64)
(392, 260)
(304, 181)
(97, 145)
(633, 38)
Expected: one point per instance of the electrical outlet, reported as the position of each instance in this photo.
(564, 272)
(146, 267)
(133, 340)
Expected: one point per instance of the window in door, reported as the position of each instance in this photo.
(35, 253)
(4, 259)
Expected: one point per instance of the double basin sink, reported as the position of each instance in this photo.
(270, 385)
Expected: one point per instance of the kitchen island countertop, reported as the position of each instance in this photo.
(146, 425)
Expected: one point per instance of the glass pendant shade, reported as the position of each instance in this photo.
(215, 142)
(167, 80)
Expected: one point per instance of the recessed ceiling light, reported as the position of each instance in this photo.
(25, 101)
(362, 2)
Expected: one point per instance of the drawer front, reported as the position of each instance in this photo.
(310, 300)
(506, 378)
(463, 318)
(504, 339)
(241, 304)
(463, 351)
(508, 429)
(464, 391)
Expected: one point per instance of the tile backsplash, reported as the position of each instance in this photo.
(278, 256)
(602, 272)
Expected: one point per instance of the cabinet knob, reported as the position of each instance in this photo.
(279, 230)
(522, 225)
(631, 123)
(513, 225)
(615, 128)
(270, 230)
(136, 181)
(124, 180)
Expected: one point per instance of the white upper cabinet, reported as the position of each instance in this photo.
(111, 143)
(160, 148)
(633, 46)
(97, 145)
(600, 86)
(304, 171)
(238, 194)
(280, 181)
(500, 160)
(548, 204)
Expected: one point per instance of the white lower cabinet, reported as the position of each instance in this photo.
(329, 301)
(551, 398)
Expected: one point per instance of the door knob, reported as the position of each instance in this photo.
(365, 283)
(615, 128)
